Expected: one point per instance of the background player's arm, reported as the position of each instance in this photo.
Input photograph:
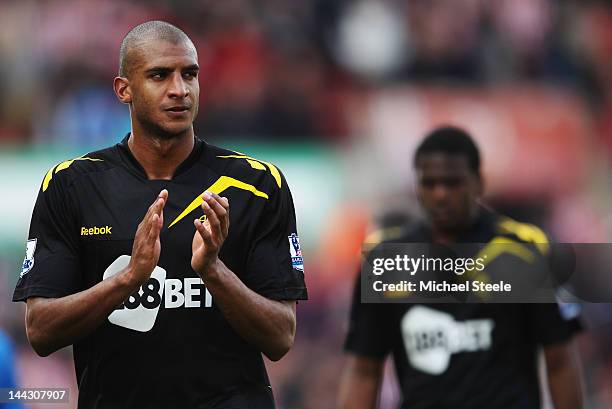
(360, 383)
(267, 324)
(52, 323)
(563, 376)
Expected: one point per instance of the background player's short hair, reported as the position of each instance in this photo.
(156, 29)
(450, 140)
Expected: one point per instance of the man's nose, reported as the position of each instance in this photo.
(440, 191)
(178, 87)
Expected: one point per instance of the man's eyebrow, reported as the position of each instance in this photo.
(192, 67)
(157, 69)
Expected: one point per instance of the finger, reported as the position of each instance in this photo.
(160, 202)
(221, 212)
(161, 220)
(163, 195)
(215, 204)
(155, 209)
(223, 201)
(154, 229)
(204, 233)
(213, 219)
(223, 215)
(226, 223)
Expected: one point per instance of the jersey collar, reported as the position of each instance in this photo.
(480, 231)
(133, 164)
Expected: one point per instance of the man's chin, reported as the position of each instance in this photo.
(445, 222)
(173, 132)
(170, 135)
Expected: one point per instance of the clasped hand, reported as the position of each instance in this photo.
(207, 239)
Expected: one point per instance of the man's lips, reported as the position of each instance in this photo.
(441, 213)
(178, 111)
(178, 108)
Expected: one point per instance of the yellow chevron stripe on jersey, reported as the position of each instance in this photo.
(257, 164)
(64, 165)
(526, 232)
(378, 236)
(389, 233)
(503, 245)
(221, 184)
(496, 247)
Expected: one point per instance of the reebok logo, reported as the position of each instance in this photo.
(94, 231)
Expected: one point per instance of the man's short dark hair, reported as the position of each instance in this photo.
(159, 30)
(452, 141)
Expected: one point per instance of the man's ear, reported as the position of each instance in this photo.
(121, 85)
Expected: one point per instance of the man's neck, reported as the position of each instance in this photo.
(444, 236)
(160, 157)
(449, 236)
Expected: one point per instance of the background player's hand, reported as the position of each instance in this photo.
(210, 234)
(147, 246)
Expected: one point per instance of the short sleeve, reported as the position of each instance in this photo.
(553, 323)
(51, 265)
(275, 267)
(368, 329)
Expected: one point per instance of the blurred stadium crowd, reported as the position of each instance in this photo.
(358, 78)
(284, 70)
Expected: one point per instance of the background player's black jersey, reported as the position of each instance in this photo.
(461, 356)
(168, 346)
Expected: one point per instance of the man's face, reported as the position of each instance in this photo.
(164, 86)
(447, 189)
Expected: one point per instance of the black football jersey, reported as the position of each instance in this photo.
(167, 345)
(462, 356)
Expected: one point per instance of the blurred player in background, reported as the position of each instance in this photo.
(480, 355)
(8, 377)
(134, 258)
